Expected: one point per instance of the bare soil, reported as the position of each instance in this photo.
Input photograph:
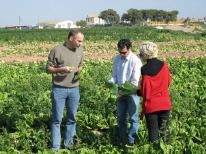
(179, 27)
(20, 58)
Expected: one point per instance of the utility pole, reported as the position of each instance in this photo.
(19, 20)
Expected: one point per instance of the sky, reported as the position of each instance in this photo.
(30, 12)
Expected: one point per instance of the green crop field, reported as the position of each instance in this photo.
(25, 91)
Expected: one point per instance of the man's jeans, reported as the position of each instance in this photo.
(60, 97)
(130, 105)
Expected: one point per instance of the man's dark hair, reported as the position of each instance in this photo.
(124, 43)
(74, 32)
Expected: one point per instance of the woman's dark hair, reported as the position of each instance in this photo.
(124, 43)
(73, 32)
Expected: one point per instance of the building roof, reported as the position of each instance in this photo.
(53, 22)
(93, 16)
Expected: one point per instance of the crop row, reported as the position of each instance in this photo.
(42, 48)
(99, 33)
(25, 110)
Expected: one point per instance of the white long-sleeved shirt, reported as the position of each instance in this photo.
(127, 69)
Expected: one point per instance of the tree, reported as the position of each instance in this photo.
(110, 16)
(147, 14)
(159, 15)
(81, 23)
(125, 17)
(135, 16)
(171, 16)
(174, 15)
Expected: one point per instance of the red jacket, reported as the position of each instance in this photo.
(155, 91)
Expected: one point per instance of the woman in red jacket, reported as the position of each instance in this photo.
(156, 79)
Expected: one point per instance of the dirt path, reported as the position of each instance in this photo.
(96, 56)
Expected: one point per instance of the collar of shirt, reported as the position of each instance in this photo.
(127, 57)
(66, 44)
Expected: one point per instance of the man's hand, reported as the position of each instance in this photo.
(72, 68)
(63, 69)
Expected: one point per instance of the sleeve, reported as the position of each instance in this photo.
(169, 76)
(51, 59)
(82, 59)
(114, 71)
(136, 73)
(145, 90)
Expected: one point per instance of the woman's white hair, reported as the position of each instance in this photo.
(148, 48)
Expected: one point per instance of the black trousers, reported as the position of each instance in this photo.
(157, 125)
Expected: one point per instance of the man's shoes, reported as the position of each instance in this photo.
(129, 145)
(70, 147)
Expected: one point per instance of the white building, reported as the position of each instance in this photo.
(94, 20)
(57, 24)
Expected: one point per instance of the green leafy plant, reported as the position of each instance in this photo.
(127, 88)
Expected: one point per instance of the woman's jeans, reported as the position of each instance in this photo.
(130, 105)
(60, 97)
(157, 125)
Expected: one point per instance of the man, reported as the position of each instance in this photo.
(126, 67)
(64, 63)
